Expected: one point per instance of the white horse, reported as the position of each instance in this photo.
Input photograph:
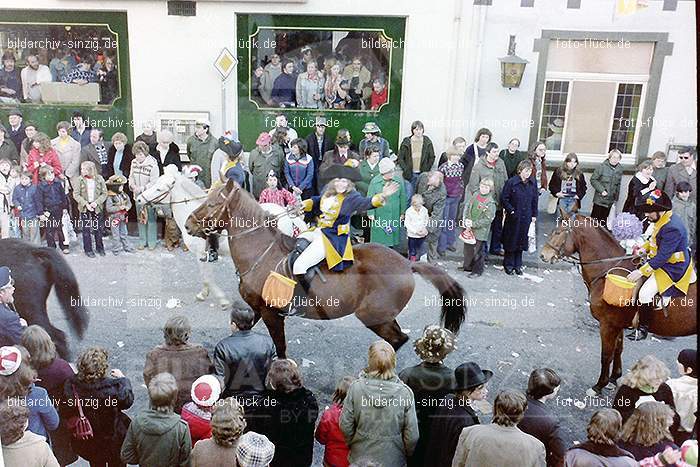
(183, 196)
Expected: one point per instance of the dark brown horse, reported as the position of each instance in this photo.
(376, 288)
(580, 235)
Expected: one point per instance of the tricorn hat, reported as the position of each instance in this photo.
(654, 201)
(230, 146)
(435, 343)
(341, 171)
(470, 375)
(371, 127)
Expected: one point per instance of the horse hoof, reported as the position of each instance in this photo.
(593, 392)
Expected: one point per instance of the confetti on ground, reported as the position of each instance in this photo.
(120, 344)
(493, 290)
(406, 331)
(550, 304)
(533, 278)
(515, 354)
(524, 331)
(298, 342)
(578, 349)
(172, 303)
(654, 339)
(305, 363)
(580, 404)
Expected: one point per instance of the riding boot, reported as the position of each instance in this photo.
(642, 331)
(298, 307)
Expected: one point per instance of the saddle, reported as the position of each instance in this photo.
(300, 299)
(299, 247)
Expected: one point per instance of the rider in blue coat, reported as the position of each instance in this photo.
(10, 322)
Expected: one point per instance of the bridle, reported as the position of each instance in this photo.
(158, 199)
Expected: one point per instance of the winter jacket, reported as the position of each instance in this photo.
(511, 161)
(108, 397)
(519, 200)
(686, 211)
(367, 173)
(379, 421)
(143, 174)
(31, 450)
(433, 200)
(685, 399)
(405, 159)
(313, 149)
(660, 175)
(539, 422)
(328, 433)
(589, 454)
(206, 453)
(157, 439)
(43, 416)
(197, 420)
(80, 194)
(416, 221)
(606, 177)
(386, 227)
(284, 89)
(333, 157)
(471, 155)
(642, 452)
(69, 155)
(289, 423)
(261, 164)
(626, 400)
(453, 178)
(678, 173)
(35, 159)
(244, 349)
(542, 182)
(172, 156)
(185, 362)
(124, 164)
(481, 214)
(555, 185)
(429, 382)
(51, 197)
(10, 327)
(451, 416)
(53, 377)
(299, 172)
(115, 201)
(9, 151)
(482, 170)
(25, 197)
(383, 144)
(89, 153)
(200, 153)
(306, 88)
(638, 186)
(493, 444)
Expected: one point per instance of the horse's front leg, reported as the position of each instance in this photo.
(275, 326)
(617, 361)
(219, 295)
(206, 280)
(608, 341)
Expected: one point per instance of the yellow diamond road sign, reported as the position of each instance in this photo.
(225, 62)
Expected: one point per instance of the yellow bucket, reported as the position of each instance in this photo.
(618, 291)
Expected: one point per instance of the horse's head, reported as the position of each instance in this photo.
(213, 215)
(161, 191)
(560, 243)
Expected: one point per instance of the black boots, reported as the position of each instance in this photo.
(212, 249)
(641, 333)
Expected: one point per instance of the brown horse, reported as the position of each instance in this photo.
(376, 288)
(598, 252)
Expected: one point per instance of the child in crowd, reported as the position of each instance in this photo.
(254, 450)
(117, 206)
(685, 394)
(24, 201)
(197, 414)
(478, 215)
(19, 445)
(684, 207)
(7, 185)
(90, 195)
(328, 431)
(51, 201)
(157, 436)
(452, 171)
(276, 195)
(192, 172)
(416, 221)
(227, 424)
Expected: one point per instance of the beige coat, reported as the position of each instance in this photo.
(69, 155)
(29, 451)
(493, 444)
(685, 397)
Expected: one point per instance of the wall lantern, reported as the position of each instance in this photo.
(512, 67)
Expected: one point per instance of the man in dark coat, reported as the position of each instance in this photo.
(11, 325)
(15, 131)
(318, 143)
(455, 413)
(538, 421)
(166, 151)
(430, 381)
(519, 200)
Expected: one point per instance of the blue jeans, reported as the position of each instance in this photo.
(411, 186)
(415, 245)
(567, 204)
(91, 223)
(448, 234)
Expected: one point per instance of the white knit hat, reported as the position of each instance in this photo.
(10, 360)
(206, 390)
(386, 165)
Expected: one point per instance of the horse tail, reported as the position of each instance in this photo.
(66, 287)
(454, 310)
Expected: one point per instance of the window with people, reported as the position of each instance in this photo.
(56, 63)
(341, 70)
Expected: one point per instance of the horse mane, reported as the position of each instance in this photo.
(588, 224)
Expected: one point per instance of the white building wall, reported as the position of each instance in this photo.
(171, 58)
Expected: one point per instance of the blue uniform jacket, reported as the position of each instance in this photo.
(10, 327)
(335, 226)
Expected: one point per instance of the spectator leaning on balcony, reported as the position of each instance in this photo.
(82, 72)
(309, 87)
(10, 81)
(32, 76)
